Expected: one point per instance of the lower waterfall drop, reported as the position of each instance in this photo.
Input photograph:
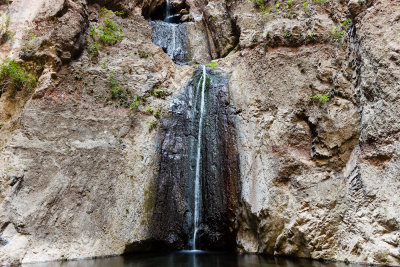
(196, 189)
(197, 186)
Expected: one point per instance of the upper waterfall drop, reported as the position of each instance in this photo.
(171, 36)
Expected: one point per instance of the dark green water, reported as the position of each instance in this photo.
(191, 259)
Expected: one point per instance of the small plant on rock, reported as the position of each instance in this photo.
(149, 111)
(143, 54)
(108, 33)
(134, 105)
(160, 93)
(321, 98)
(14, 76)
(338, 32)
(212, 64)
(260, 4)
(157, 115)
(152, 126)
(116, 90)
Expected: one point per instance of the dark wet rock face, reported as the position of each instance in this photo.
(172, 38)
(174, 206)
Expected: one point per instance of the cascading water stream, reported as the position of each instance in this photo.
(197, 191)
(168, 11)
(196, 188)
(171, 36)
(198, 159)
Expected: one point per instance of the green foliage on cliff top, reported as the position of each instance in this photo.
(14, 76)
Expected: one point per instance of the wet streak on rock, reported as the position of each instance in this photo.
(172, 221)
(172, 38)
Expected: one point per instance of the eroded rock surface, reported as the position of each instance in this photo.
(316, 116)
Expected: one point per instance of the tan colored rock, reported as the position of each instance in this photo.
(220, 29)
(319, 178)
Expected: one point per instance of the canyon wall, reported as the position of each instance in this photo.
(315, 107)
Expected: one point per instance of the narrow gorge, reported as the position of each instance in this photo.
(199, 132)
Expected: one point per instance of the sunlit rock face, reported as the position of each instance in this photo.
(310, 108)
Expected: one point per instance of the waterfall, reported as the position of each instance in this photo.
(173, 41)
(196, 187)
(168, 11)
(171, 36)
(197, 192)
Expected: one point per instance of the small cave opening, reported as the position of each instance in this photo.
(170, 13)
(159, 13)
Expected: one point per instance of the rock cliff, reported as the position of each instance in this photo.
(313, 88)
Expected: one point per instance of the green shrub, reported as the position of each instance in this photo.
(153, 125)
(134, 105)
(160, 93)
(260, 4)
(109, 33)
(321, 98)
(158, 114)
(143, 54)
(149, 111)
(338, 32)
(104, 12)
(14, 76)
(93, 48)
(212, 64)
(116, 90)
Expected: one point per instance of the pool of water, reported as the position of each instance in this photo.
(191, 259)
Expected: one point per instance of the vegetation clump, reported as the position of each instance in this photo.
(322, 98)
(152, 126)
(118, 92)
(14, 76)
(160, 93)
(109, 33)
(285, 8)
(338, 32)
(149, 111)
(212, 64)
(135, 103)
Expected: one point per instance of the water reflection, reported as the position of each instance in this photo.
(192, 259)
